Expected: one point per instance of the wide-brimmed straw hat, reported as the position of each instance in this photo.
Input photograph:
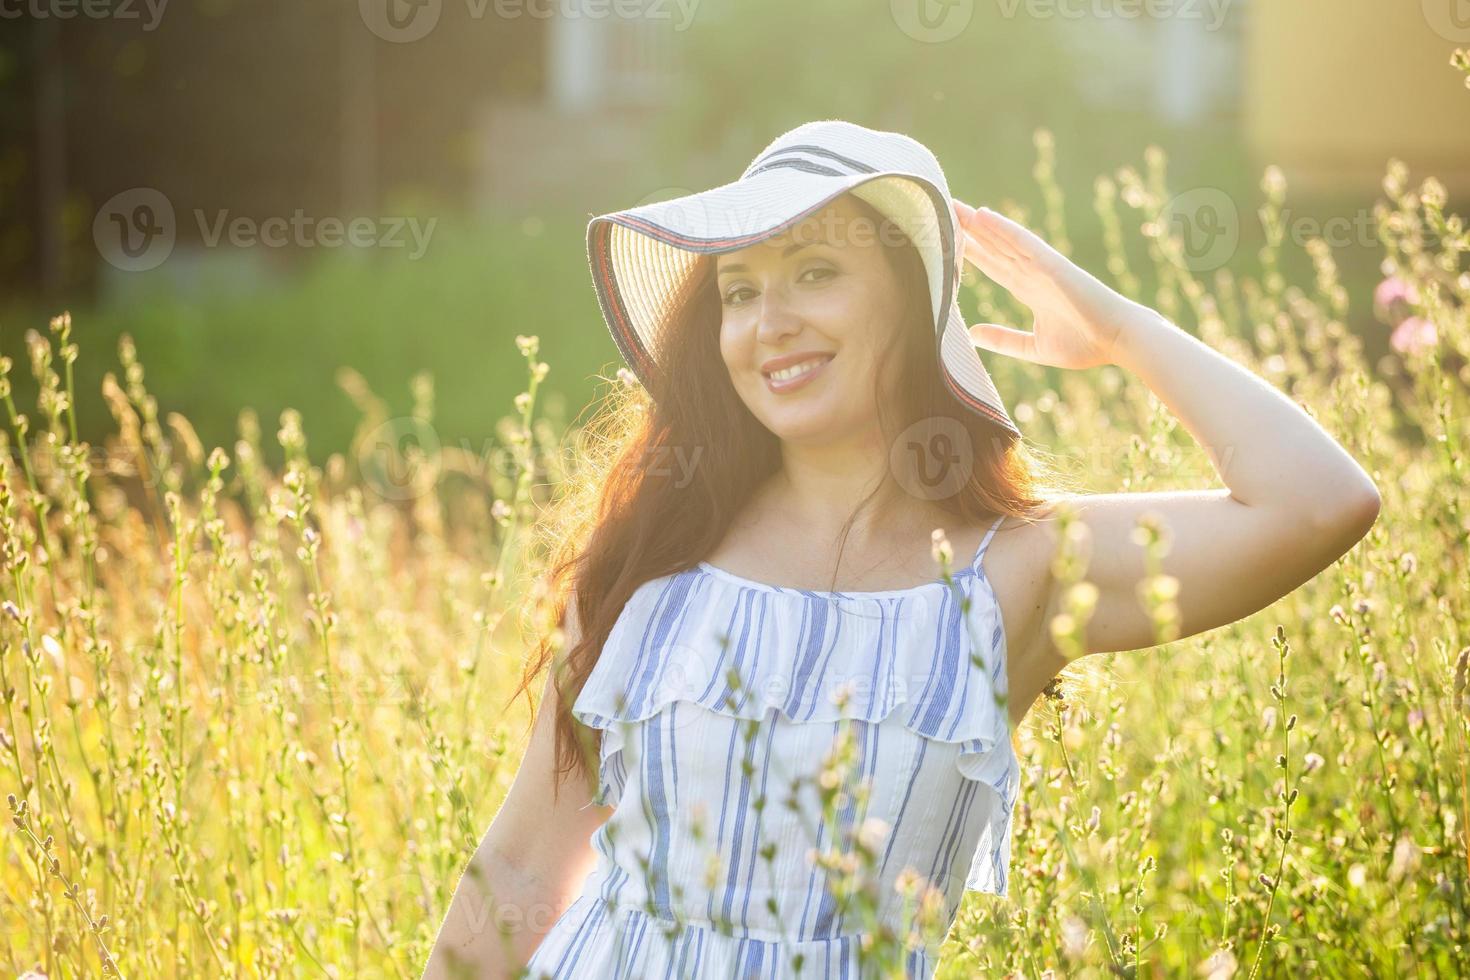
(642, 257)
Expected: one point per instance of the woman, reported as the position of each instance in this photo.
(785, 768)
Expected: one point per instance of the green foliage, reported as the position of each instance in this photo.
(253, 716)
(224, 339)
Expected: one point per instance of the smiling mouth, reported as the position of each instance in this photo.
(795, 371)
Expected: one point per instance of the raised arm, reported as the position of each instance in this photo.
(1293, 501)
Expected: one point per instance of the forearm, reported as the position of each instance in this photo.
(496, 920)
(1267, 450)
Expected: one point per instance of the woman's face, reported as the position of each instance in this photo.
(805, 316)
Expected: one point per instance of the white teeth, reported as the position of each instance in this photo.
(796, 371)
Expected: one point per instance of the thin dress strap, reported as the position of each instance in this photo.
(985, 543)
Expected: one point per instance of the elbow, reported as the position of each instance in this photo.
(1371, 506)
(1367, 504)
(1354, 515)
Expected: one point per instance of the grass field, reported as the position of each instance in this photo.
(254, 718)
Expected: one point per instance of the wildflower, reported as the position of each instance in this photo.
(872, 833)
(1414, 334)
(52, 647)
(1405, 859)
(1273, 182)
(1433, 193)
(1313, 762)
(1074, 936)
(1220, 966)
(907, 882)
(942, 551)
(1394, 295)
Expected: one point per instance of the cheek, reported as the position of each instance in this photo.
(730, 343)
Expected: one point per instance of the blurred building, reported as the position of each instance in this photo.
(1328, 97)
(1332, 96)
(583, 138)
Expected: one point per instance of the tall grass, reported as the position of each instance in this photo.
(253, 723)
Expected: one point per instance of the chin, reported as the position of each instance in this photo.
(817, 425)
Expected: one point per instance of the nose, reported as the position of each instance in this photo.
(777, 319)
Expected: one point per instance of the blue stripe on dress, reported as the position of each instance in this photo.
(664, 665)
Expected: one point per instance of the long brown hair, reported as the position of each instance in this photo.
(628, 517)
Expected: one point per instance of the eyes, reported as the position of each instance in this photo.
(728, 299)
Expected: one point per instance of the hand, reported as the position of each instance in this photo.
(1077, 319)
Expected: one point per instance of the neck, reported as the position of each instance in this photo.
(819, 487)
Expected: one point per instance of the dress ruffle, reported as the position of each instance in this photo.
(747, 649)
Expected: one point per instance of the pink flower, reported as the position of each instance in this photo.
(1393, 300)
(1414, 334)
(1394, 289)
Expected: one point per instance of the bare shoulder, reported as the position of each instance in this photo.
(1017, 564)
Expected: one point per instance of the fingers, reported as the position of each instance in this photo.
(986, 252)
(996, 242)
(1004, 340)
(974, 226)
(1016, 235)
(1010, 237)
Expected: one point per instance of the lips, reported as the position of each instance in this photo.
(807, 368)
(789, 361)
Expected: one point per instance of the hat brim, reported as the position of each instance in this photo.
(641, 257)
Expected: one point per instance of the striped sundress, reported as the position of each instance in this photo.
(776, 754)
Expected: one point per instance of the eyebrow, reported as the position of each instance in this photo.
(741, 267)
